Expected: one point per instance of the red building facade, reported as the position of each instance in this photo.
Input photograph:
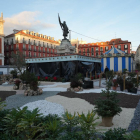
(98, 48)
(31, 44)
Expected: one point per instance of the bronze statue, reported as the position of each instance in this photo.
(64, 28)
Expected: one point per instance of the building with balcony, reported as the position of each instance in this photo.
(98, 48)
(32, 45)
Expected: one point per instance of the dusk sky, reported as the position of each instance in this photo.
(101, 20)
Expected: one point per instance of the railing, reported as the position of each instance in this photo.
(17, 48)
(11, 42)
(24, 48)
(24, 41)
(34, 50)
(118, 54)
(29, 49)
(109, 54)
(16, 41)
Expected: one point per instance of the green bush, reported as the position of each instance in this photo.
(75, 83)
(14, 73)
(135, 135)
(108, 107)
(31, 79)
(115, 134)
(88, 124)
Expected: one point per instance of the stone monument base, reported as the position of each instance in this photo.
(65, 48)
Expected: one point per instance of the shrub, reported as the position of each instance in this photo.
(17, 82)
(31, 79)
(54, 78)
(135, 135)
(115, 134)
(75, 83)
(14, 73)
(115, 84)
(38, 77)
(88, 124)
(46, 78)
(108, 107)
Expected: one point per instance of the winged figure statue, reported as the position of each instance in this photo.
(63, 27)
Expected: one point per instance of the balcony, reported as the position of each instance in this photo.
(97, 50)
(17, 48)
(16, 41)
(101, 50)
(34, 43)
(24, 48)
(43, 50)
(12, 49)
(24, 41)
(39, 44)
(29, 42)
(43, 45)
(7, 49)
(39, 50)
(11, 42)
(29, 49)
(34, 50)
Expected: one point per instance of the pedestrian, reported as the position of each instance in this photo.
(105, 71)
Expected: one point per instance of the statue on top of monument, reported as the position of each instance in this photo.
(64, 28)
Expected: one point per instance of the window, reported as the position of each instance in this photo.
(106, 48)
(88, 54)
(96, 54)
(125, 46)
(88, 50)
(126, 51)
(92, 54)
(84, 50)
(96, 48)
(34, 54)
(29, 54)
(92, 49)
(29, 47)
(119, 46)
(47, 45)
(111, 46)
(43, 49)
(101, 48)
(43, 54)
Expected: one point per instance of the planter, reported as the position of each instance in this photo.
(114, 88)
(88, 84)
(133, 90)
(106, 121)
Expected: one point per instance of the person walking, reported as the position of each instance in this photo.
(105, 71)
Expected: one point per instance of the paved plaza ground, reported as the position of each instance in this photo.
(83, 101)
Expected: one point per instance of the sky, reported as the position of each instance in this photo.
(100, 20)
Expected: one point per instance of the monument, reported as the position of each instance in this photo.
(65, 46)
